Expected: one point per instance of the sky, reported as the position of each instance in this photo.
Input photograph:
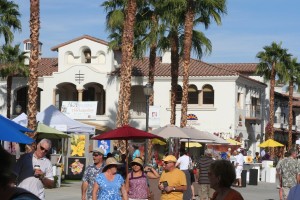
(248, 26)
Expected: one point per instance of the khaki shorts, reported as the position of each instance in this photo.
(205, 192)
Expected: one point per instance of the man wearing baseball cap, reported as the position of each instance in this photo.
(90, 173)
(172, 182)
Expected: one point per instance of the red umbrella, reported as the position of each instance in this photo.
(125, 133)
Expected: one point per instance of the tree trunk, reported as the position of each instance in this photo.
(8, 96)
(34, 58)
(174, 74)
(187, 44)
(127, 53)
(272, 85)
(152, 60)
(151, 74)
(126, 69)
(120, 104)
(291, 90)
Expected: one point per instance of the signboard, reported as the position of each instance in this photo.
(77, 145)
(105, 145)
(154, 116)
(76, 167)
(192, 119)
(80, 109)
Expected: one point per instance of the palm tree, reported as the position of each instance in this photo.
(203, 10)
(270, 63)
(291, 74)
(121, 20)
(12, 60)
(34, 59)
(175, 41)
(9, 19)
(127, 56)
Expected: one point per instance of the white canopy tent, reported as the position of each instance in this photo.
(52, 117)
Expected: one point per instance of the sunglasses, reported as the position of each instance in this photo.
(44, 149)
(96, 154)
(167, 163)
(135, 164)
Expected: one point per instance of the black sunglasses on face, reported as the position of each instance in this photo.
(44, 149)
(96, 154)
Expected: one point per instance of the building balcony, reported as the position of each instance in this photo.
(285, 126)
(252, 114)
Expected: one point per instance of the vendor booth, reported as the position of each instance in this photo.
(71, 152)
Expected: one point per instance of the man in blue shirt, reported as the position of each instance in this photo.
(90, 173)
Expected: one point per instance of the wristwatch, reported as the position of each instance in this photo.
(174, 189)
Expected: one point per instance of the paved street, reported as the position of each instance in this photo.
(71, 191)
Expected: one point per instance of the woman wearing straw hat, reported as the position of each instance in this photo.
(137, 183)
(109, 184)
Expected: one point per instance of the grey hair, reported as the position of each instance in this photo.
(46, 141)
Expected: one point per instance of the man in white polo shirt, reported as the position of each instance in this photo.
(34, 170)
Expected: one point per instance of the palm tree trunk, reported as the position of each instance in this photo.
(152, 59)
(34, 58)
(127, 53)
(272, 86)
(174, 74)
(291, 90)
(8, 96)
(120, 104)
(151, 74)
(187, 44)
(126, 69)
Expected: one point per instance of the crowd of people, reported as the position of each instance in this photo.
(109, 177)
(104, 178)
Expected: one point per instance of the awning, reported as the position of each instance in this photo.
(97, 126)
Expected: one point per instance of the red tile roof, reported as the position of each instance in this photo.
(55, 48)
(140, 68)
(242, 68)
(197, 68)
(47, 66)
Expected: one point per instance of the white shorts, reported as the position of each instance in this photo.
(238, 171)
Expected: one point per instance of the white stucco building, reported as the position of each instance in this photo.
(225, 98)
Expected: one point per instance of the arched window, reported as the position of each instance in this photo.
(179, 94)
(69, 58)
(192, 95)
(208, 95)
(86, 56)
(89, 94)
